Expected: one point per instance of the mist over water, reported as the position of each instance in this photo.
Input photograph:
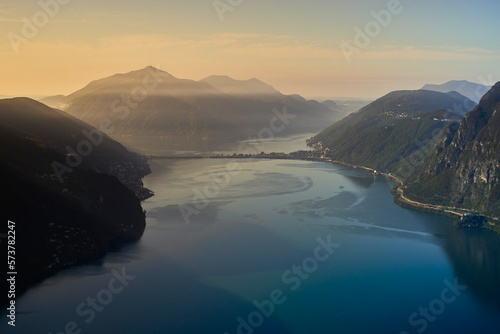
(253, 145)
(231, 243)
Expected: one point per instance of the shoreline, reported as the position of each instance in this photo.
(465, 217)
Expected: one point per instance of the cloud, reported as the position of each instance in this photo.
(247, 46)
(409, 52)
(6, 11)
(282, 60)
(69, 63)
(8, 19)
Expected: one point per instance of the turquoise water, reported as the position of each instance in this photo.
(268, 246)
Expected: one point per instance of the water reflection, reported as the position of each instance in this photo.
(475, 256)
(361, 181)
(201, 277)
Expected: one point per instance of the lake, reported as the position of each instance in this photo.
(162, 147)
(275, 246)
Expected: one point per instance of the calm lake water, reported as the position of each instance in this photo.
(268, 246)
(158, 146)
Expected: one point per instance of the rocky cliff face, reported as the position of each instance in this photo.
(464, 170)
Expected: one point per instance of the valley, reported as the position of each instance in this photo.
(250, 167)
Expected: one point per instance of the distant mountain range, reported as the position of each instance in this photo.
(391, 128)
(471, 90)
(59, 224)
(464, 169)
(150, 102)
(332, 105)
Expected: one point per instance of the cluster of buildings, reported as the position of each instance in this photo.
(129, 174)
(393, 114)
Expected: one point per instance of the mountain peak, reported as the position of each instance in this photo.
(471, 90)
(229, 85)
(492, 97)
(145, 71)
(149, 67)
(382, 133)
(130, 79)
(218, 77)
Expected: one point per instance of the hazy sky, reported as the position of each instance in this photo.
(294, 45)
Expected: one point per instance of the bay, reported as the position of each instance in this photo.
(243, 246)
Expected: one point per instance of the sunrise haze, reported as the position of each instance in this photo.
(295, 46)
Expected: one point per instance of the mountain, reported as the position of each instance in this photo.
(333, 106)
(68, 135)
(60, 224)
(240, 87)
(56, 101)
(464, 169)
(153, 103)
(391, 128)
(471, 90)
